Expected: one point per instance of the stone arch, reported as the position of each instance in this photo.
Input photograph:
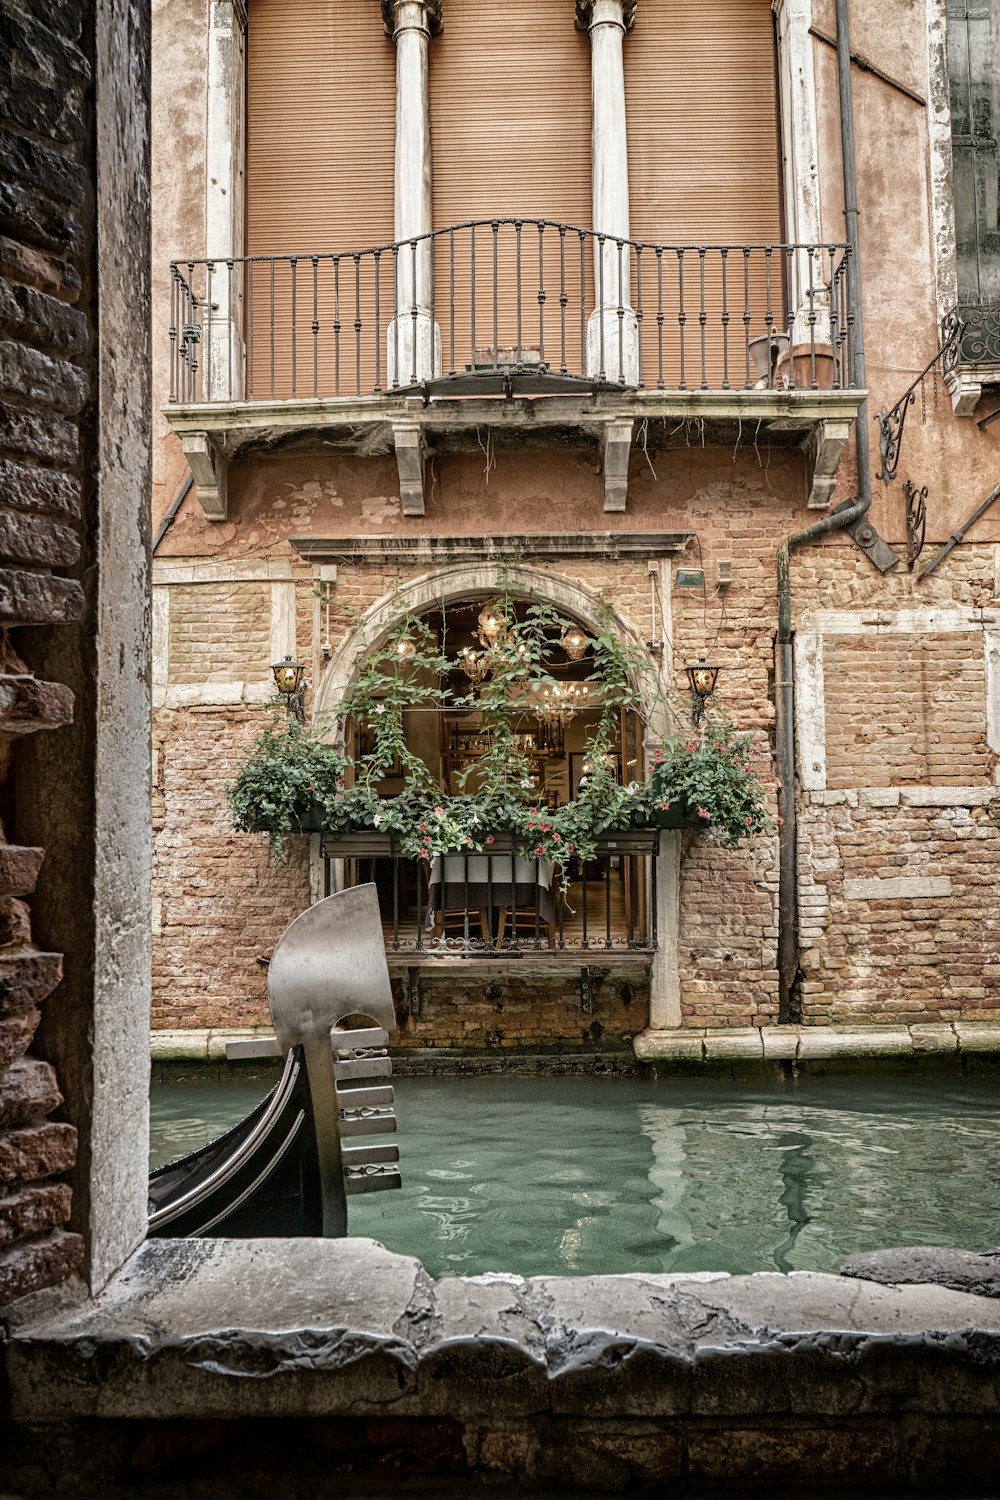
(447, 585)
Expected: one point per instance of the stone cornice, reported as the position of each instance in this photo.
(434, 10)
(585, 12)
(412, 549)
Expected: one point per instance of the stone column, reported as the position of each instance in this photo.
(223, 355)
(800, 150)
(612, 332)
(414, 351)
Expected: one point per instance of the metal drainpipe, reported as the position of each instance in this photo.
(784, 733)
(784, 682)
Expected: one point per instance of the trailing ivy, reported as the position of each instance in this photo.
(292, 773)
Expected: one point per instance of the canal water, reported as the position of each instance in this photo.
(587, 1175)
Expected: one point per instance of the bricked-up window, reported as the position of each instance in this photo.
(974, 72)
(904, 710)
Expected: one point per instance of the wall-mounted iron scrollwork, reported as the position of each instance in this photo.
(979, 343)
(892, 422)
(916, 521)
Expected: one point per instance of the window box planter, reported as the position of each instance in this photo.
(678, 815)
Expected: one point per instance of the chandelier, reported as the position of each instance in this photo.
(574, 643)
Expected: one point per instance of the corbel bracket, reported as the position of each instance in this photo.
(211, 473)
(824, 447)
(411, 459)
(616, 449)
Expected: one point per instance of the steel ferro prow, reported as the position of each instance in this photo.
(327, 966)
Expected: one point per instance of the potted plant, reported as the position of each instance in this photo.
(707, 779)
(290, 782)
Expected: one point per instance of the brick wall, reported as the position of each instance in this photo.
(901, 709)
(44, 337)
(905, 709)
(920, 959)
(532, 1007)
(219, 632)
(219, 900)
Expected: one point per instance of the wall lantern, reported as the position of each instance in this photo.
(290, 680)
(403, 648)
(702, 677)
(574, 643)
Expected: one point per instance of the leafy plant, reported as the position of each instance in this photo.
(291, 770)
(712, 775)
(287, 771)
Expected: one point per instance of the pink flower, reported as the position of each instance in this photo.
(533, 810)
(439, 811)
(650, 767)
(311, 787)
(569, 848)
(748, 821)
(489, 838)
(557, 838)
(748, 767)
(422, 827)
(657, 756)
(539, 848)
(703, 812)
(341, 785)
(545, 827)
(664, 806)
(691, 745)
(780, 821)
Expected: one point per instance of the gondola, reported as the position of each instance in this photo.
(289, 1167)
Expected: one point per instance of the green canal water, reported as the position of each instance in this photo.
(578, 1176)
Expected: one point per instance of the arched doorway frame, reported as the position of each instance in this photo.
(448, 585)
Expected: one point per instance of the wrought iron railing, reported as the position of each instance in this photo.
(501, 299)
(504, 906)
(980, 333)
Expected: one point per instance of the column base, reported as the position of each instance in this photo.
(613, 346)
(413, 348)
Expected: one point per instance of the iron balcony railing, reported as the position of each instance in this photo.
(978, 341)
(497, 299)
(499, 905)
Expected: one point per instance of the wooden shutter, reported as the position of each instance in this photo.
(974, 69)
(510, 135)
(701, 96)
(321, 86)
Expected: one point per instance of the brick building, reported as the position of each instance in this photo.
(449, 299)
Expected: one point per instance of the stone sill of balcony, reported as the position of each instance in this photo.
(965, 382)
(214, 434)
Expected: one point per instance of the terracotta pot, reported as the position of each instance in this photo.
(810, 362)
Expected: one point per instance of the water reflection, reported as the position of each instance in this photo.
(587, 1175)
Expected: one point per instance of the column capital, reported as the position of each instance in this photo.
(591, 13)
(412, 15)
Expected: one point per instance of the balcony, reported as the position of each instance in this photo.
(973, 360)
(503, 907)
(511, 323)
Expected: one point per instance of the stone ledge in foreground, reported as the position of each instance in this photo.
(217, 1329)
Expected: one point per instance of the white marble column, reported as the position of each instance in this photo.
(800, 149)
(414, 342)
(612, 333)
(223, 355)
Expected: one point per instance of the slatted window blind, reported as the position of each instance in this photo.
(321, 84)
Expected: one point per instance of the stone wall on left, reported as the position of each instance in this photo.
(74, 428)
